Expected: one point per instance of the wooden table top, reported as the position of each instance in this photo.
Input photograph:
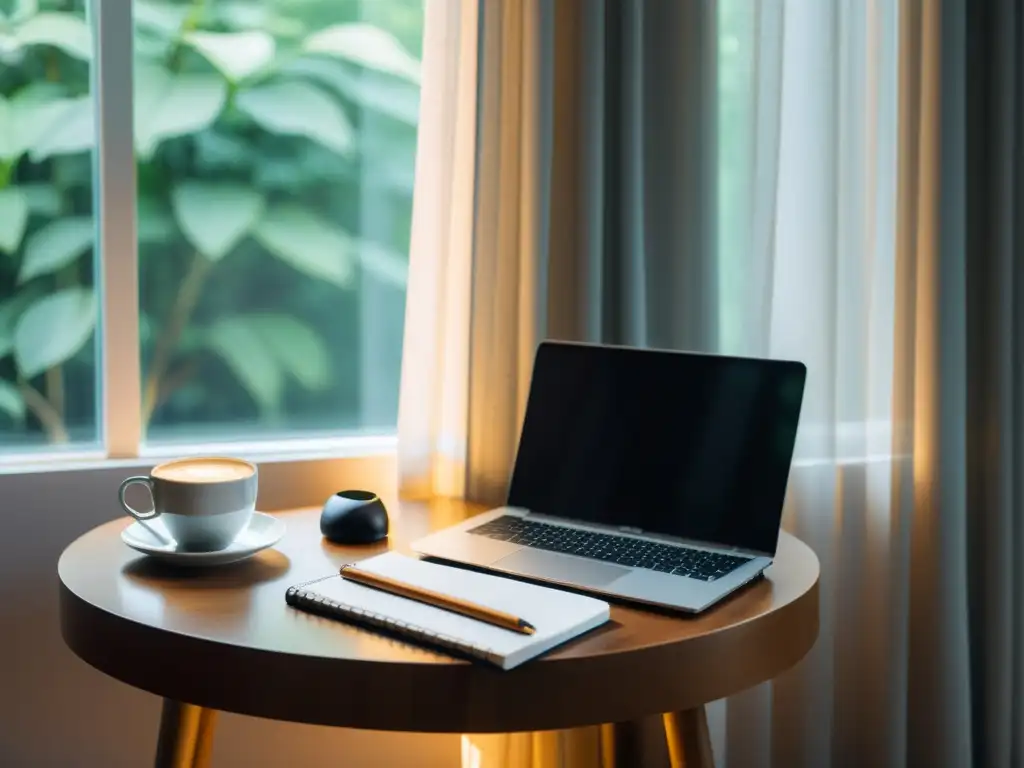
(224, 638)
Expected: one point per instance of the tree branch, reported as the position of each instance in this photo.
(174, 380)
(45, 412)
(188, 295)
(54, 378)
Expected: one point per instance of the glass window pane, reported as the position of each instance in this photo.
(275, 145)
(48, 308)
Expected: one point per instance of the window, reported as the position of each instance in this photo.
(274, 148)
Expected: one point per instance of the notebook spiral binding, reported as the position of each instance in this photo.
(299, 597)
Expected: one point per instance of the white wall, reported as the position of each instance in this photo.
(57, 711)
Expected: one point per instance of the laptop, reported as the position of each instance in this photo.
(645, 475)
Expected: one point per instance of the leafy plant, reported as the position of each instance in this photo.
(253, 164)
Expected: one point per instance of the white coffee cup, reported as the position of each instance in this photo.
(203, 502)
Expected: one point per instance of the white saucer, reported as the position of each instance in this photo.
(151, 538)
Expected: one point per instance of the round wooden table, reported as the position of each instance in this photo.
(224, 639)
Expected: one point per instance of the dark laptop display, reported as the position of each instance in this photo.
(693, 446)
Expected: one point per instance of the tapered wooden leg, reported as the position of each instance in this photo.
(689, 743)
(204, 739)
(186, 736)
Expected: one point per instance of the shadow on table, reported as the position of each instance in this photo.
(268, 565)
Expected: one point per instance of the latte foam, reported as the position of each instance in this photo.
(203, 470)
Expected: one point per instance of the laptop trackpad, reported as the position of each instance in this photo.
(548, 565)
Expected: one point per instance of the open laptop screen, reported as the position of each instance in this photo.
(695, 446)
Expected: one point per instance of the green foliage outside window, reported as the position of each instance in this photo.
(262, 130)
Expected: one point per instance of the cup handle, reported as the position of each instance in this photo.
(148, 482)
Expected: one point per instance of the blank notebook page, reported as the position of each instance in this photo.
(556, 614)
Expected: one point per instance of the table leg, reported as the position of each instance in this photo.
(204, 739)
(689, 743)
(186, 736)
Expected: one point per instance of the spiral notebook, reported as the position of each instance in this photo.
(557, 615)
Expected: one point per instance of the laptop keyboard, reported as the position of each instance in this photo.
(622, 550)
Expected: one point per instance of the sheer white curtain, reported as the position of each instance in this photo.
(818, 282)
(881, 251)
(471, 314)
(541, 202)
(435, 356)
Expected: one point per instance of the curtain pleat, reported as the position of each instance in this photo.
(432, 418)
(995, 324)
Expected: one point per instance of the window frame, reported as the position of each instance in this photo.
(320, 462)
(117, 257)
